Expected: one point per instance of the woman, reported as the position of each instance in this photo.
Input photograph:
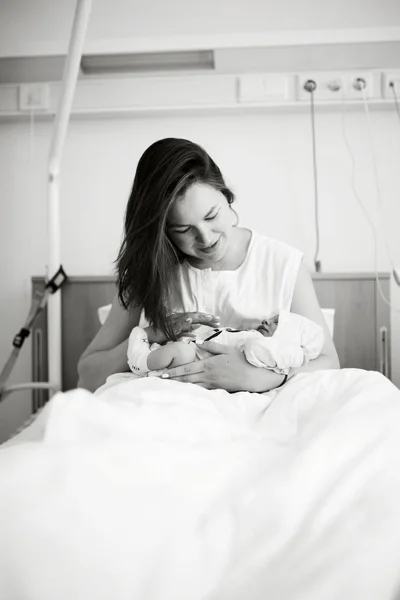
(185, 262)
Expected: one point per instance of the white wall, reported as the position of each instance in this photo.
(266, 159)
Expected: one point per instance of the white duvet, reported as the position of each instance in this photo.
(160, 490)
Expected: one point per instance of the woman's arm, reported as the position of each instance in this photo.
(107, 353)
(305, 303)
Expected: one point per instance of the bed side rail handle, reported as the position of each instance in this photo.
(383, 351)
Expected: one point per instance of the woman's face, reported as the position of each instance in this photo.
(200, 223)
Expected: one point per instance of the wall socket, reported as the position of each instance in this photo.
(336, 85)
(388, 78)
(33, 97)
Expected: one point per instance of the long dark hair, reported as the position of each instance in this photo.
(147, 260)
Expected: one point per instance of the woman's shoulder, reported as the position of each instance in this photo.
(267, 246)
(277, 265)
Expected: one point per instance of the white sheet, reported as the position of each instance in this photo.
(155, 489)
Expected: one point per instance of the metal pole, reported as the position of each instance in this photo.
(70, 76)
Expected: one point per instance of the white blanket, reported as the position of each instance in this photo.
(159, 490)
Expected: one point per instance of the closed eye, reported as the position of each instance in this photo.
(211, 218)
(182, 231)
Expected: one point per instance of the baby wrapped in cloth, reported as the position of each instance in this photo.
(279, 344)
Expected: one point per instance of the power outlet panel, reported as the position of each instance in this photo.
(266, 88)
(33, 97)
(391, 77)
(339, 85)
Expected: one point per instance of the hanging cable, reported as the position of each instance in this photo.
(376, 177)
(396, 100)
(364, 210)
(396, 273)
(310, 87)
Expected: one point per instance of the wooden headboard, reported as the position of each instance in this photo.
(362, 320)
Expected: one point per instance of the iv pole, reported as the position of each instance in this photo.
(70, 76)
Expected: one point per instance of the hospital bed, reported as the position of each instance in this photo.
(157, 489)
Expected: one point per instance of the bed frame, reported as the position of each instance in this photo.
(361, 329)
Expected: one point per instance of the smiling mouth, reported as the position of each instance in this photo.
(208, 248)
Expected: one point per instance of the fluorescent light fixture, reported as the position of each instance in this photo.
(148, 62)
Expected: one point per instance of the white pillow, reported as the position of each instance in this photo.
(329, 314)
(103, 312)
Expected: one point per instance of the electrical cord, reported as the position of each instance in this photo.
(364, 210)
(396, 101)
(310, 86)
(376, 176)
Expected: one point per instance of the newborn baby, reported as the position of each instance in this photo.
(280, 343)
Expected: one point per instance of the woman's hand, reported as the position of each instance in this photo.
(182, 324)
(228, 369)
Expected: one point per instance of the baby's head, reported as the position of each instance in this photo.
(268, 326)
